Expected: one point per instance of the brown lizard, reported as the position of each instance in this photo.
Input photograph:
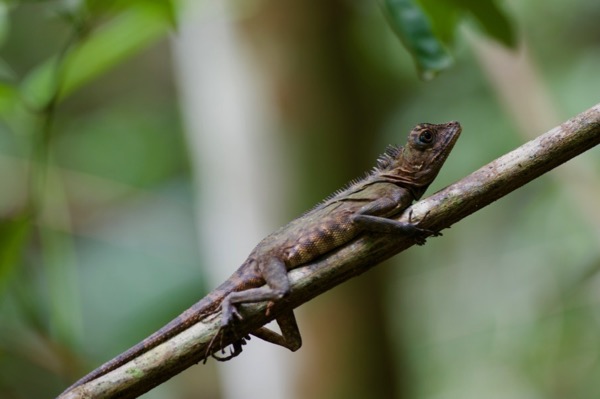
(401, 176)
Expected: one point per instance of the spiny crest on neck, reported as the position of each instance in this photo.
(385, 162)
(387, 159)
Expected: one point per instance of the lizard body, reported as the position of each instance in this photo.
(401, 176)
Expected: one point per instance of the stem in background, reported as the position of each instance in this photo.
(46, 204)
(47, 113)
(443, 209)
(525, 97)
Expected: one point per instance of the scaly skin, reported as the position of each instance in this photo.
(401, 176)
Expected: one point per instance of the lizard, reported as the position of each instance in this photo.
(402, 175)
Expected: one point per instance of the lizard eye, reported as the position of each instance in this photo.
(426, 137)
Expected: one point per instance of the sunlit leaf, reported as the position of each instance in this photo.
(13, 235)
(412, 26)
(123, 37)
(166, 8)
(120, 38)
(8, 99)
(39, 86)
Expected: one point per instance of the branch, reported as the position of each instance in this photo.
(436, 212)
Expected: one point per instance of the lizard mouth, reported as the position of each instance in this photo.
(449, 139)
(455, 130)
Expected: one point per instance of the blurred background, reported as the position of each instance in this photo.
(146, 147)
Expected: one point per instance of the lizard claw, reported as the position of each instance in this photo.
(228, 318)
(421, 234)
(235, 313)
(420, 239)
(236, 349)
(229, 314)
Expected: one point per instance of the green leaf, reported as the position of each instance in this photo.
(492, 19)
(8, 99)
(13, 236)
(38, 88)
(412, 26)
(126, 35)
(120, 38)
(166, 8)
(444, 17)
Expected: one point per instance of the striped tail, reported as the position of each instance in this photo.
(240, 279)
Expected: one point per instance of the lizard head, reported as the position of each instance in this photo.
(417, 164)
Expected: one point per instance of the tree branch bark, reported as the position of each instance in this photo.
(440, 210)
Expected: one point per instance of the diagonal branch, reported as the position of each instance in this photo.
(442, 209)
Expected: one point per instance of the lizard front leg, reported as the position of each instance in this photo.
(368, 219)
(378, 224)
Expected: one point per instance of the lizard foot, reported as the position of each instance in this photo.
(236, 349)
(236, 346)
(230, 314)
(420, 234)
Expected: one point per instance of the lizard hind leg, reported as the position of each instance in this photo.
(274, 272)
(379, 224)
(289, 338)
(290, 334)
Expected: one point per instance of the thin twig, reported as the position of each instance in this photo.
(442, 209)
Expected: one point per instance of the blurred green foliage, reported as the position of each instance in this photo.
(77, 146)
(427, 27)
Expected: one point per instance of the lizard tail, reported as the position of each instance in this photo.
(240, 279)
